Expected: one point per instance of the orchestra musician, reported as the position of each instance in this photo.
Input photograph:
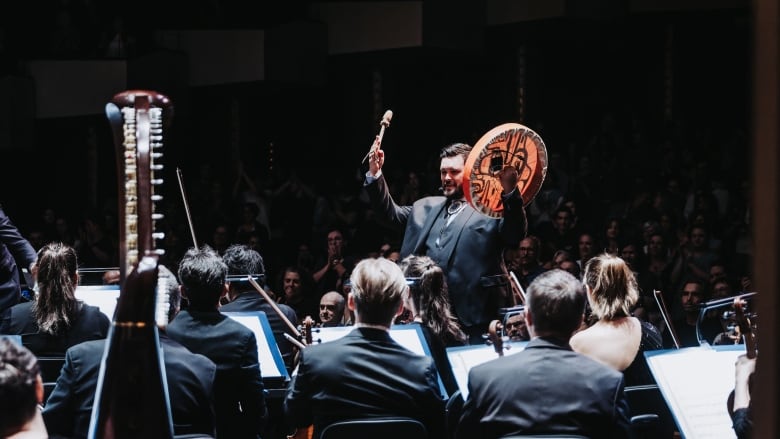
(190, 379)
(547, 388)
(241, 262)
(616, 338)
(366, 372)
(429, 306)
(239, 400)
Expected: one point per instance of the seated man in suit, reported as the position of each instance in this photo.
(190, 379)
(239, 400)
(366, 373)
(242, 261)
(560, 391)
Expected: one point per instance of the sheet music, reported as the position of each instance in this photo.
(268, 361)
(462, 359)
(406, 336)
(102, 296)
(696, 383)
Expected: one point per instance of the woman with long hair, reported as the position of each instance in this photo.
(56, 319)
(429, 301)
(429, 306)
(616, 338)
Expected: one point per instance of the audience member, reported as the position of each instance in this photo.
(332, 306)
(578, 394)
(334, 268)
(239, 400)
(572, 267)
(241, 262)
(526, 265)
(616, 338)
(15, 251)
(55, 320)
(366, 373)
(190, 380)
(21, 393)
(297, 287)
(692, 295)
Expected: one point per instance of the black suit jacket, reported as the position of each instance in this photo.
(364, 374)
(190, 378)
(475, 259)
(89, 324)
(546, 388)
(252, 301)
(14, 249)
(239, 400)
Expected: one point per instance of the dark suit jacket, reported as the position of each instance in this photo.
(13, 249)
(252, 301)
(547, 388)
(364, 374)
(90, 324)
(476, 256)
(189, 376)
(239, 400)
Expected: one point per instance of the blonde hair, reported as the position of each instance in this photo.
(378, 286)
(613, 287)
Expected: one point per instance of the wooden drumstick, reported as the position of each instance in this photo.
(382, 125)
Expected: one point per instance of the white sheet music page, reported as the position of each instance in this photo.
(462, 359)
(266, 358)
(696, 383)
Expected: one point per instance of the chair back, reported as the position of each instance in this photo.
(50, 367)
(452, 411)
(650, 416)
(50, 371)
(395, 427)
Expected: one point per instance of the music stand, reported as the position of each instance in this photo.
(409, 336)
(103, 296)
(272, 367)
(695, 383)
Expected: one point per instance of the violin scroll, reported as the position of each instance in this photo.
(495, 330)
(745, 326)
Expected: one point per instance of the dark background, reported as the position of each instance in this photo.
(579, 72)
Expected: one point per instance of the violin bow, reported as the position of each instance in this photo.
(274, 306)
(186, 207)
(659, 299)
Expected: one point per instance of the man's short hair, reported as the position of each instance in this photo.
(455, 149)
(556, 302)
(202, 274)
(378, 286)
(242, 260)
(19, 373)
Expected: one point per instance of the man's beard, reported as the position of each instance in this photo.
(457, 194)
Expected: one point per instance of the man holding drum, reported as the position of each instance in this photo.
(467, 243)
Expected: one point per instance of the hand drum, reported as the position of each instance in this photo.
(510, 144)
